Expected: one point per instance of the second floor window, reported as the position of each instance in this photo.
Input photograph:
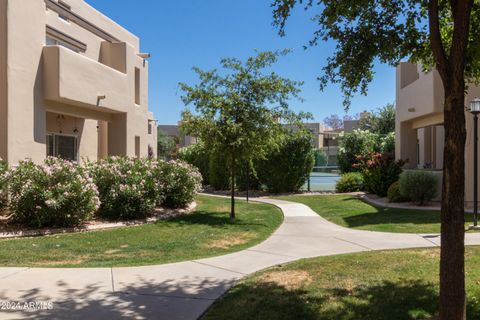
(50, 41)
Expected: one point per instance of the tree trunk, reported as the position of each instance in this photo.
(452, 258)
(232, 189)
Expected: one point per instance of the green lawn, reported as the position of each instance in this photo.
(349, 211)
(205, 233)
(388, 285)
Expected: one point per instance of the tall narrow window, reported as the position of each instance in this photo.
(137, 86)
(137, 147)
(149, 128)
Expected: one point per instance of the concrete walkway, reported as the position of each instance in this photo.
(185, 290)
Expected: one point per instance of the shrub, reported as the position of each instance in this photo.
(180, 182)
(321, 158)
(349, 182)
(419, 186)
(218, 173)
(361, 143)
(288, 168)
(379, 171)
(394, 195)
(126, 186)
(241, 178)
(354, 144)
(54, 194)
(197, 156)
(3, 184)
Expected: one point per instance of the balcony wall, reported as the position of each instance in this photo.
(71, 78)
(419, 95)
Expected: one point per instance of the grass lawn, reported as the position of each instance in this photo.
(205, 233)
(388, 285)
(349, 211)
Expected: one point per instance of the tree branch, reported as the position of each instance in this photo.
(436, 43)
(461, 10)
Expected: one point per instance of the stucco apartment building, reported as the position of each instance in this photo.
(419, 121)
(73, 83)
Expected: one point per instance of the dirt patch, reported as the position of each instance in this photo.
(77, 260)
(430, 253)
(291, 280)
(113, 251)
(230, 241)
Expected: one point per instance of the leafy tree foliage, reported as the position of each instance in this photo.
(438, 33)
(239, 111)
(381, 122)
(288, 168)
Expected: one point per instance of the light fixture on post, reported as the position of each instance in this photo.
(475, 110)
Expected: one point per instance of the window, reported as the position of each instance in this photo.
(149, 128)
(65, 6)
(62, 146)
(50, 41)
(137, 147)
(137, 86)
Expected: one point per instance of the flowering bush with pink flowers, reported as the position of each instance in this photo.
(379, 171)
(56, 193)
(180, 182)
(3, 184)
(126, 186)
(131, 188)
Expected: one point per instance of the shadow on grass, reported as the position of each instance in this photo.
(392, 216)
(378, 215)
(382, 301)
(213, 219)
(143, 299)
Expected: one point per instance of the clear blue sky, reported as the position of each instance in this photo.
(181, 34)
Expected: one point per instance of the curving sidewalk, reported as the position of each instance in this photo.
(185, 290)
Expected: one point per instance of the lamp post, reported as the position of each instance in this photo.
(475, 110)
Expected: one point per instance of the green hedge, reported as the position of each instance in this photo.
(349, 182)
(288, 168)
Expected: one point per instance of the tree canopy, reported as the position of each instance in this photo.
(381, 121)
(370, 31)
(239, 111)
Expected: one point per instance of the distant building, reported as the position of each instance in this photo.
(324, 139)
(350, 125)
(175, 132)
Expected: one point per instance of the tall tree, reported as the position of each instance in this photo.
(239, 112)
(382, 121)
(437, 33)
(333, 121)
(336, 123)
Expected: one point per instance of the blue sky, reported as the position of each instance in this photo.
(185, 33)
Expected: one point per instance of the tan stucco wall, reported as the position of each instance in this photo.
(26, 117)
(87, 133)
(43, 79)
(3, 79)
(426, 96)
